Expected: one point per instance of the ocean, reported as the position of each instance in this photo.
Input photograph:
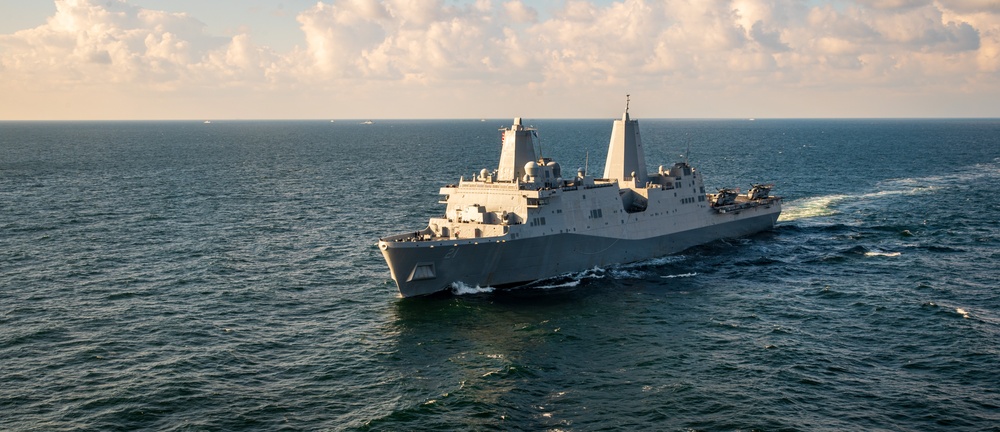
(186, 276)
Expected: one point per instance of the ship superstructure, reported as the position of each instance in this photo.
(526, 220)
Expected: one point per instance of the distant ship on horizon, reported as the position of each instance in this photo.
(525, 221)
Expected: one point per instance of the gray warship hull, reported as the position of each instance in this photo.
(525, 221)
(421, 268)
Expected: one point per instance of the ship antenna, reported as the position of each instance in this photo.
(627, 97)
(535, 133)
(586, 163)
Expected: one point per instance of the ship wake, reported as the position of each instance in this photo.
(828, 205)
(637, 270)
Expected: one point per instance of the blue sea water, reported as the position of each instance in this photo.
(224, 276)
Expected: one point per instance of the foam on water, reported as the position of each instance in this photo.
(461, 288)
(568, 284)
(827, 205)
(574, 279)
(882, 254)
(654, 262)
(617, 272)
(962, 175)
(810, 207)
(682, 275)
(622, 272)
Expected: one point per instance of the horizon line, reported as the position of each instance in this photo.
(376, 119)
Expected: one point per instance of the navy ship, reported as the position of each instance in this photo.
(526, 221)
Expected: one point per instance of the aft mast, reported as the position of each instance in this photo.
(626, 162)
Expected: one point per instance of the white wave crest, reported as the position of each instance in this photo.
(574, 279)
(884, 254)
(682, 275)
(654, 262)
(617, 271)
(621, 273)
(568, 284)
(591, 273)
(460, 288)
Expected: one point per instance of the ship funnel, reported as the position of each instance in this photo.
(518, 149)
(626, 161)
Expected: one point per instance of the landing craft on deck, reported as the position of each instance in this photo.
(525, 221)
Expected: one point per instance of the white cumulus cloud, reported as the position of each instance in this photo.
(423, 49)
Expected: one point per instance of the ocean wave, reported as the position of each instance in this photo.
(616, 272)
(567, 284)
(873, 253)
(568, 280)
(653, 262)
(621, 273)
(682, 275)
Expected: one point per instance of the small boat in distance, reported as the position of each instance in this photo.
(367, 122)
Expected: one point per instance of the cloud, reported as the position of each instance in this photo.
(769, 39)
(337, 35)
(923, 29)
(968, 6)
(93, 43)
(413, 41)
(894, 4)
(350, 47)
(519, 12)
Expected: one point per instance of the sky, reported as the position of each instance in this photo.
(436, 59)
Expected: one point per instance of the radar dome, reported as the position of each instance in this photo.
(556, 170)
(531, 168)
